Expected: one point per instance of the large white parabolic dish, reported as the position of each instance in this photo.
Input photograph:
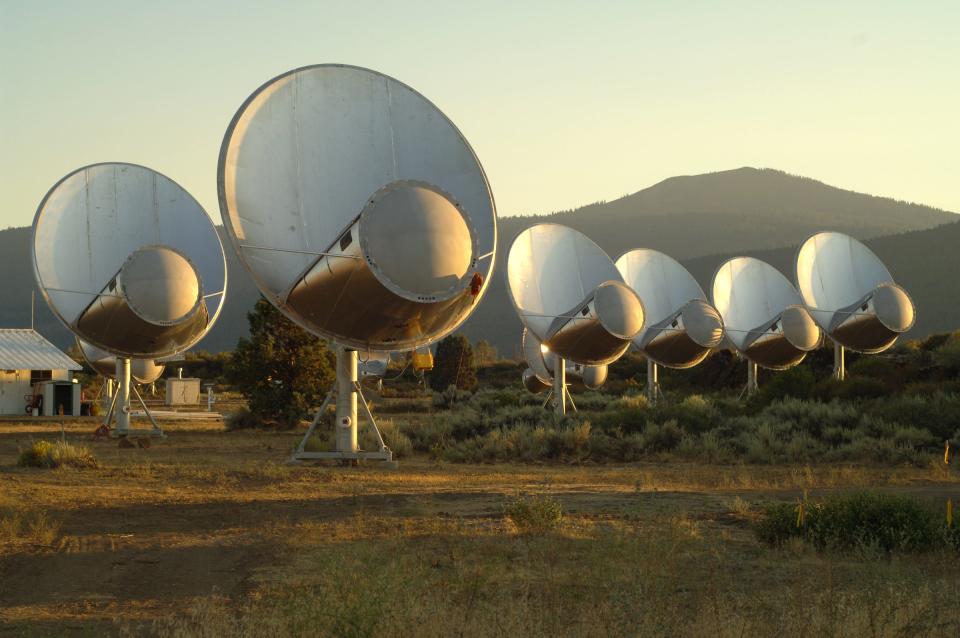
(358, 208)
(570, 296)
(851, 294)
(681, 327)
(128, 260)
(763, 313)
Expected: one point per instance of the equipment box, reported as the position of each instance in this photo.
(183, 391)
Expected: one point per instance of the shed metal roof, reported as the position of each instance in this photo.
(25, 349)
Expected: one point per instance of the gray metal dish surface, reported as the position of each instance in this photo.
(128, 260)
(357, 206)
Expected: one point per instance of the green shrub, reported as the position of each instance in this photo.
(450, 397)
(861, 387)
(694, 414)
(398, 442)
(870, 521)
(400, 406)
(631, 402)
(797, 382)
(593, 401)
(534, 514)
(569, 441)
(57, 454)
(281, 370)
(453, 365)
(947, 355)
(777, 524)
(242, 419)
(661, 438)
(812, 416)
(939, 413)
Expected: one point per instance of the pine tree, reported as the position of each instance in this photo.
(453, 365)
(282, 370)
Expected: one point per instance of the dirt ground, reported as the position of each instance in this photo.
(208, 513)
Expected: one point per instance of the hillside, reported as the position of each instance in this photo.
(697, 219)
(924, 262)
(736, 210)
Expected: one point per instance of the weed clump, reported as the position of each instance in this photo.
(860, 521)
(19, 524)
(532, 514)
(59, 454)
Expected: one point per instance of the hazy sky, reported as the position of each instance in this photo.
(565, 103)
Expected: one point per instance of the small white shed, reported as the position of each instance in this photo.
(28, 363)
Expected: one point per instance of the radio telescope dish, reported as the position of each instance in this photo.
(851, 294)
(128, 260)
(539, 375)
(130, 263)
(358, 208)
(681, 326)
(361, 213)
(142, 371)
(763, 314)
(571, 298)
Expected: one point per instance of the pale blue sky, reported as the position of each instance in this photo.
(565, 103)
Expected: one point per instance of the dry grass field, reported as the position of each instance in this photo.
(210, 533)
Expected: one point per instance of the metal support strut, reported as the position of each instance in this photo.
(347, 390)
(654, 392)
(560, 392)
(559, 386)
(752, 385)
(839, 362)
(120, 406)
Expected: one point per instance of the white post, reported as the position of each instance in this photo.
(751, 377)
(209, 398)
(839, 363)
(653, 382)
(123, 396)
(347, 400)
(559, 385)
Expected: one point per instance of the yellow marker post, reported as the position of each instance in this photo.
(946, 451)
(949, 512)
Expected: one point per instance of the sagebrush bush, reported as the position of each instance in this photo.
(450, 397)
(398, 442)
(534, 514)
(593, 401)
(506, 424)
(631, 402)
(400, 407)
(939, 412)
(859, 521)
(947, 355)
(57, 454)
(570, 442)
